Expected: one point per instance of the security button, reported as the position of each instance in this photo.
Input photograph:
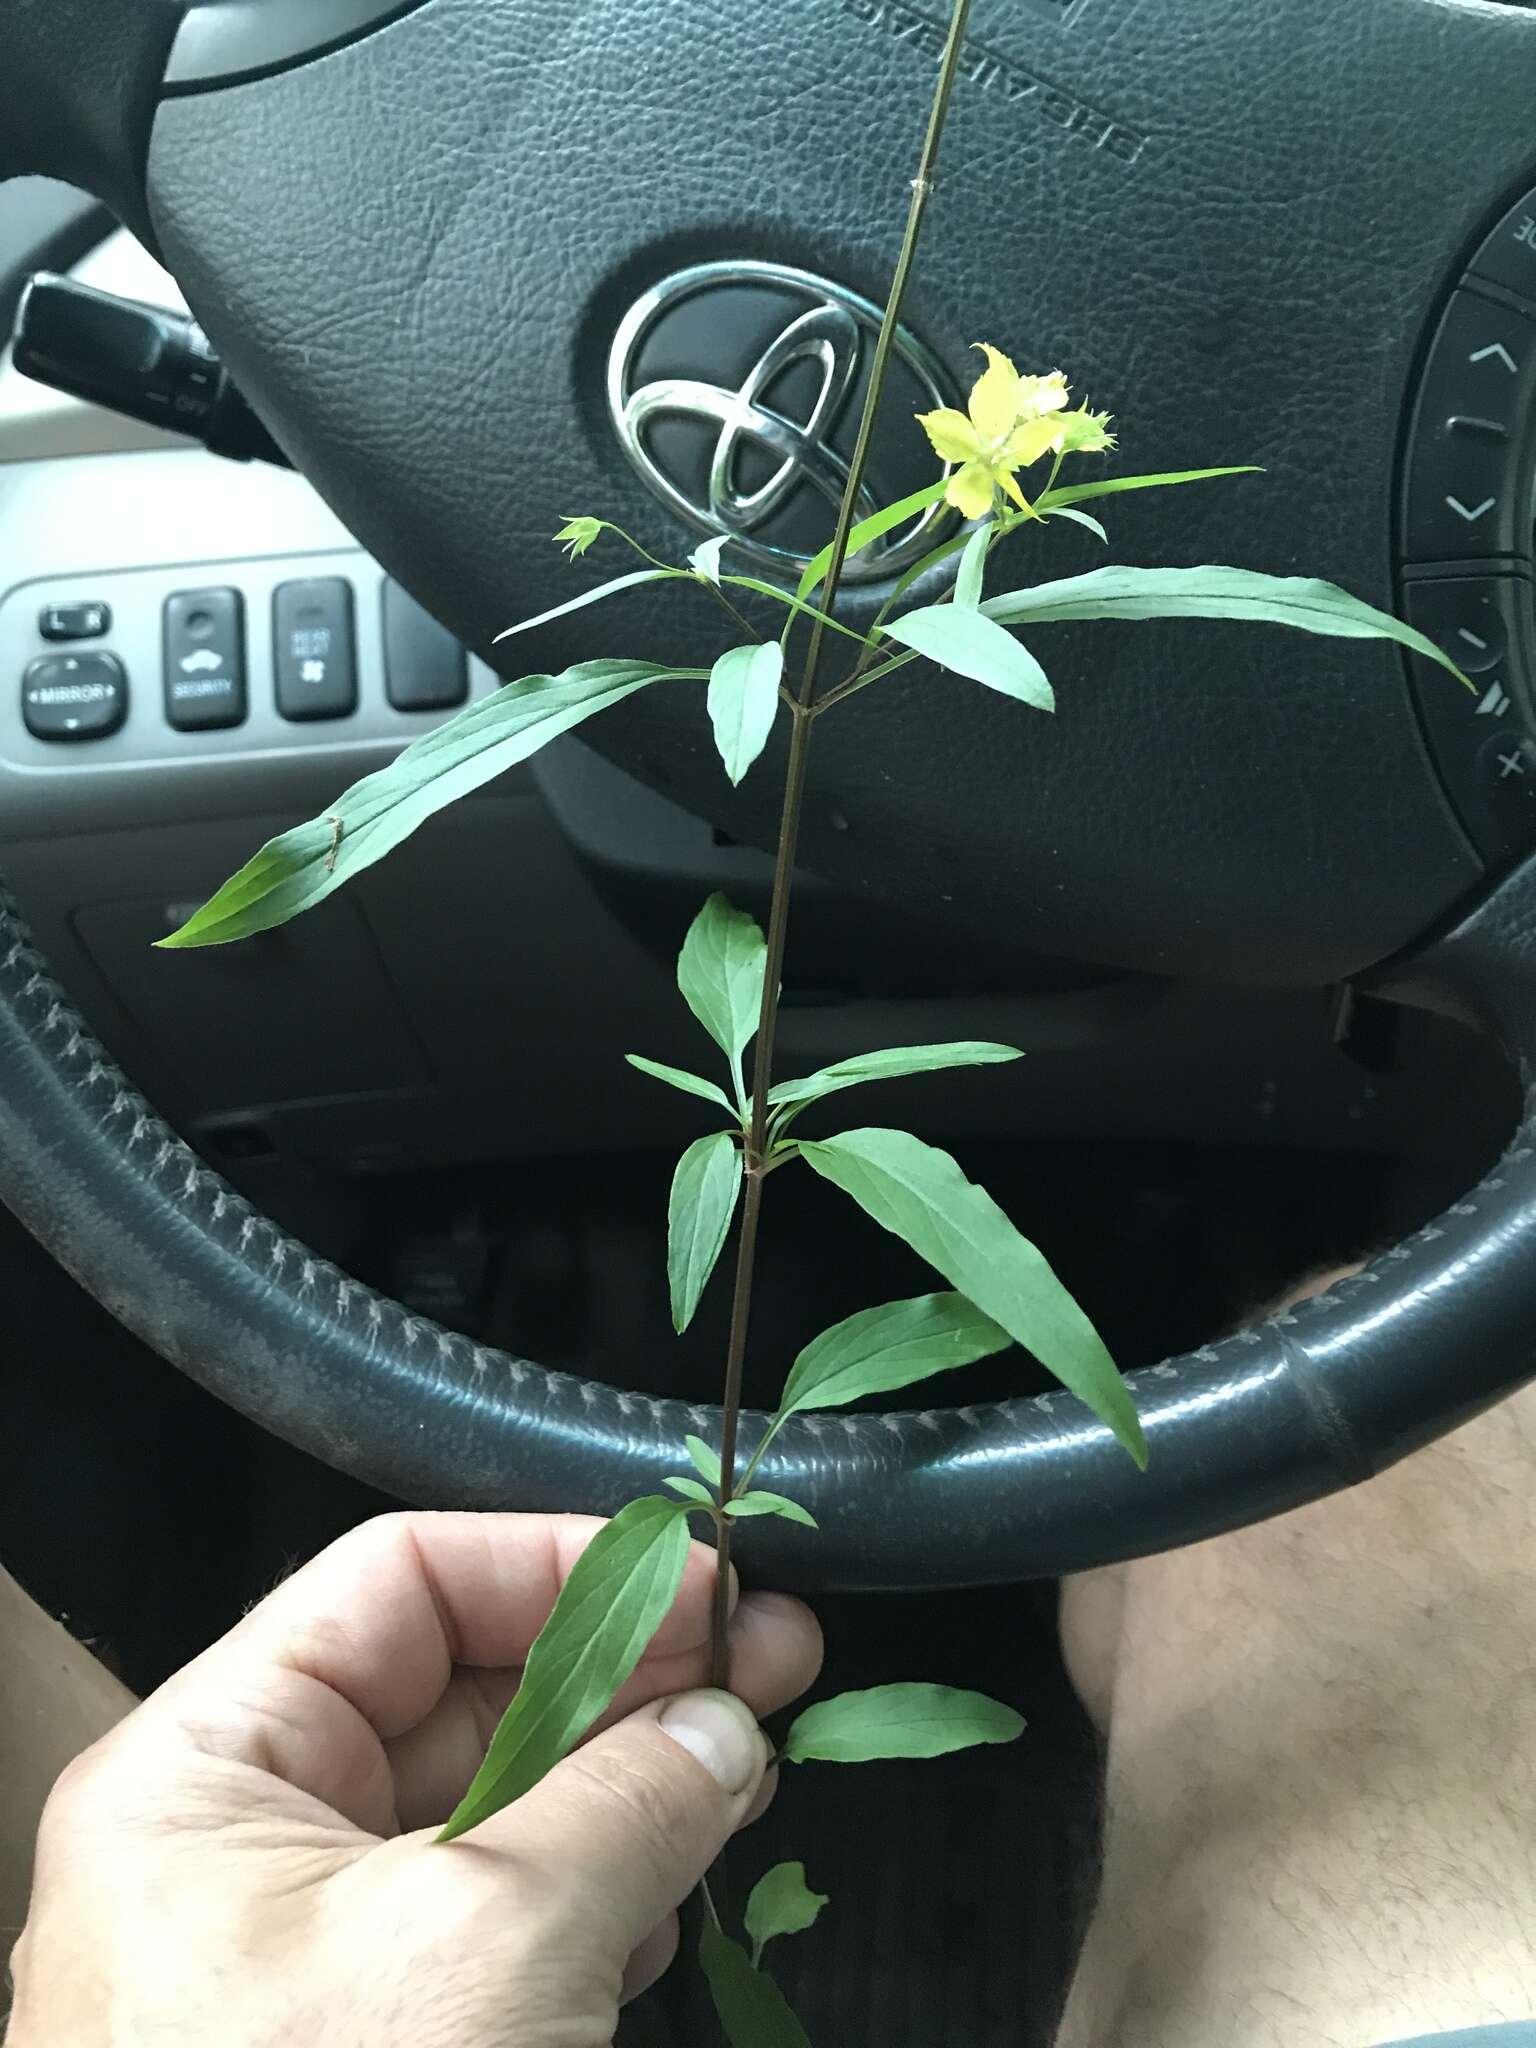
(204, 660)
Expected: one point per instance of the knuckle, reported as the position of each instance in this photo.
(81, 1787)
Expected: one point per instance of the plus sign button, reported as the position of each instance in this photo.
(1507, 769)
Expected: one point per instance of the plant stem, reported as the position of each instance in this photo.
(735, 1360)
(802, 715)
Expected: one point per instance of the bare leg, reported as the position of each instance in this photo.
(1322, 1766)
(55, 1700)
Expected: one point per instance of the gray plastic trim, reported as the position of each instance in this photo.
(131, 529)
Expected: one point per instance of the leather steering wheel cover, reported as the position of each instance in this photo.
(1267, 1420)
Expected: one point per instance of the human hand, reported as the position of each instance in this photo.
(249, 1859)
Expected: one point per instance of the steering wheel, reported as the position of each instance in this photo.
(1294, 237)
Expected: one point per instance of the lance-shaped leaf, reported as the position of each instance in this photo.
(743, 702)
(970, 643)
(871, 529)
(1112, 486)
(720, 972)
(770, 1504)
(753, 2011)
(795, 605)
(679, 1077)
(691, 1491)
(299, 869)
(898, 1720)
(596, 596)
(1079, 519)
(618, 1593)
(973, 564)
(703, 1200)
(955, 545)
(893, 1064)
(781, 1902)
(1304, 602)
(882, 1349)
(920, 1194)
(706, 1460)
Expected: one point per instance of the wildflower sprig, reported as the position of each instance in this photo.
(1000, 1290)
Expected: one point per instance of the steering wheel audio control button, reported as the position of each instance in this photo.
(1468, 495)
(74, 621)
(314, 648)
(1493, 620)
(425, 668)
(1508, 767)
(74, 696)
(204, 660)
(1508, 257)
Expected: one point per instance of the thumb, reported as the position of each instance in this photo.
(629, 1823)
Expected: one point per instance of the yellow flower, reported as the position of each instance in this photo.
(1009, 423)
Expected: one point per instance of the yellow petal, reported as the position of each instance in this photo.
(969, 490)
(1042, 394)
(1011, 487)
(1032, 439)
(994, 400)
(952, 435)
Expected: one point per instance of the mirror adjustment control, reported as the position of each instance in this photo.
(425, 668)
(314, 648)
(87, 621)
(204, 660)
(74, 696)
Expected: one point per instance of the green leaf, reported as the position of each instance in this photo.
(720, 972)
(744, 701)
(299, 869)
(1111, 486)
(706, 1462)
(1080, 519)
(796, 605)
(953, 546)
(890, 1065)
(691, 1490)
(781, 1902)
(973, 564)
(576, 604)
(679, 1077)
(898, 1720)
(920, 1194)
(771, 1504)
(881, 1349)
(871, 529)
(1212, 592)
(972, 645)
(616, 1597)
(703, 1200)
(753, 2011)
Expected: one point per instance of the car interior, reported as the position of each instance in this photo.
(325, 314)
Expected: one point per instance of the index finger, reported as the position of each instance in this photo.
(383, 1616)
